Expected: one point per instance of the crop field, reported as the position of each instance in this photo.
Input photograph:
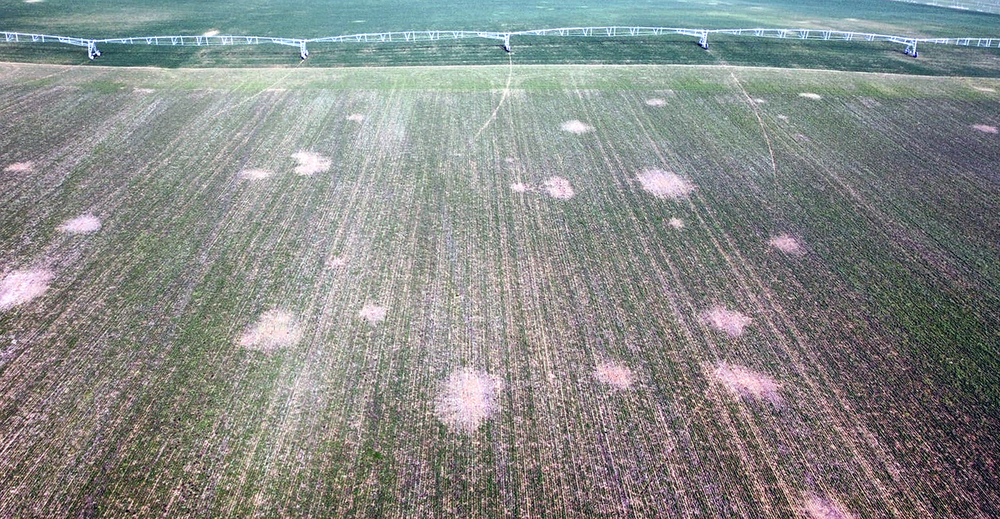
(319, 18)
(534, 291)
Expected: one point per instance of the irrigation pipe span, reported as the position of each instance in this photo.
(702, 35)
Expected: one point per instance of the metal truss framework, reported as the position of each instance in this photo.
(505, 37)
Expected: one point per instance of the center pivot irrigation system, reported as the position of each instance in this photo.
(505, 37)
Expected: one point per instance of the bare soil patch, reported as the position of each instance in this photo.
(20, 167)
(21, 286)
(665, 184)
(985, 128)
(81, 224)
(676, 223)
(656, 102)
(467, 399)
(518, 187)
(725, 320)
(374, 314)
(614, 374)
(810, 95)
(275, 329)
(213, 32)
(310, 163)
(356, 118)
(787, 244)
(747, 383)
(510, 160)
(817, 507)
(254, 174)
(336, 262)
(576, 127)
(559, 187)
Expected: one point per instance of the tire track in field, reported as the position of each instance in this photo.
(503, 98)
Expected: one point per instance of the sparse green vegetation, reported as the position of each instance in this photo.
(776, 340)
(523, 289)
(296, 19)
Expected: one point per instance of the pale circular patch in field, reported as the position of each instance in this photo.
(336, 262)
(817, 507)
(21, 286)
(985, 128)
(614, 374)
(665, 184)
(725, 320)
(782, 117)
(676, 223)
(656, 102)
(510, 160)
(467, 399)
(518, 187)
(254, 174)
(759, 101)
(310, 163)
(356, 118)
(787, 244)
(275, 329)
(20, 167)
(213, 32)
(374, 314)
(747, 383)
(810, 95)
(577, 127)
(81, 224)
(559, 187)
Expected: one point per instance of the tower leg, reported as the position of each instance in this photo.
(506, 42)
(92, 51)
(303, 51)
(703, 41)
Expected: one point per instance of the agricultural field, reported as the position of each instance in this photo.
(986, 6)
(319, 18)
(601, 291)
